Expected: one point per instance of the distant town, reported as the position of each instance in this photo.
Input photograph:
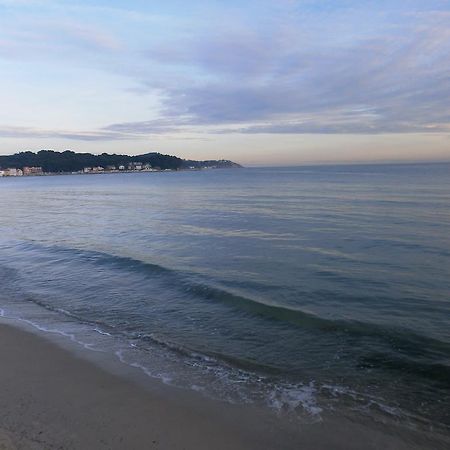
(131, 167)
(49, 162)
(26, 171)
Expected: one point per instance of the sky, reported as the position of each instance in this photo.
(261, 82)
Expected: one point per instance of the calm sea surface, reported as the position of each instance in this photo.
(309, 290)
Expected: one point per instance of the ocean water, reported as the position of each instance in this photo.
(308, 290)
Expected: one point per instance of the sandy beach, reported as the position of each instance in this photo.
(50, 399)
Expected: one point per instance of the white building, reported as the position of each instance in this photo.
(135, 166)
(12, 172)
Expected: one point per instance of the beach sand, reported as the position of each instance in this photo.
(52, 399)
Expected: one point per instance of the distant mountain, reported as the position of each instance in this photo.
(69, 161)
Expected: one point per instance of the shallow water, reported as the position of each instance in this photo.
(308, 290)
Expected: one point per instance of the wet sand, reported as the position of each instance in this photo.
(52, 399)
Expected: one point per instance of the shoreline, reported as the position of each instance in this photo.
(53, 397)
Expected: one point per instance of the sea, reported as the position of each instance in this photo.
(307, 291)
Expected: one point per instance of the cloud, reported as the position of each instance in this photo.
(25, 132)
(41, 39)
(296, 67)
(242, 75)
(272, 82)
(156, 126)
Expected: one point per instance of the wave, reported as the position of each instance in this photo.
(437, 372)
(102, 259)
(190, 284)
(403, 351)
(409, 342)
(415, 349)
(395, 336)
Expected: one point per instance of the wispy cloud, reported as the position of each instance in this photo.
(401, 77)
(25, 132)
(296, 67)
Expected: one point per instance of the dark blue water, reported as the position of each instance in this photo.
(308, 289)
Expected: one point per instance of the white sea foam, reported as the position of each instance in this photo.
(121, 357)
(70, 336)
(292, 397)
(104, 333)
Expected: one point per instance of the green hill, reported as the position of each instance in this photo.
(69, 161)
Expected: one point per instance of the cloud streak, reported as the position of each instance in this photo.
(25, 132)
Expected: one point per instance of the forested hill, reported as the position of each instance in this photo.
(69, 161)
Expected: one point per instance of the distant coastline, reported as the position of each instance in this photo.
(49, 162)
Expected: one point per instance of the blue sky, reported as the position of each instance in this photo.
(260, 82)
